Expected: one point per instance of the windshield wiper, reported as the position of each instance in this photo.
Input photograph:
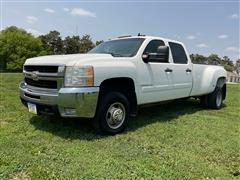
(116, 55)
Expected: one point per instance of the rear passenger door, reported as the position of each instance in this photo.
(181, 71)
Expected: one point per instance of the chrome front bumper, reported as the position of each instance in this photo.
(68, 102)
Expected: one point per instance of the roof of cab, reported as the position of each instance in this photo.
(146, 37)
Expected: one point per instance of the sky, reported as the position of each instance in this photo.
(205, 27)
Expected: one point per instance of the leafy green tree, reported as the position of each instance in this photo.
(71, 45)
(75, 44)
(52, 42)
(99, 42)
(237, 66)
(214, 59)
(86, 44)
(227, 63)
(16, 45)
(198, 59)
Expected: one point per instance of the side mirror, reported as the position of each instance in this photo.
(145, 57)
(160, 56)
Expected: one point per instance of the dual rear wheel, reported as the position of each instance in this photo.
(213, 100)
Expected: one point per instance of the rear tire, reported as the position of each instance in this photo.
(112, 114)
(213, 100)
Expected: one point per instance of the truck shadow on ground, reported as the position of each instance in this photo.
(82, 129)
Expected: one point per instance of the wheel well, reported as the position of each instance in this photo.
(123, 85)
(221, 83)
(224, 90)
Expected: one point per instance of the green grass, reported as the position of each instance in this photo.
(179, 140)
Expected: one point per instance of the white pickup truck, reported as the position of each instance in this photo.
(109, 82)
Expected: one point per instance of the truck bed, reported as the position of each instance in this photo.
(204, 78)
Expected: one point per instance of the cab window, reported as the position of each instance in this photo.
(152, 48)
(178, 53)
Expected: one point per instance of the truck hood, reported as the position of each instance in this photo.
(69, 60)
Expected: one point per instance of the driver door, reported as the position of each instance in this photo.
(159, 85)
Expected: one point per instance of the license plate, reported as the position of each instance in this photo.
(32, 108)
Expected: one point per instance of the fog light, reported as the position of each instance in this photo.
(69, 111)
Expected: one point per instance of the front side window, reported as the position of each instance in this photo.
(120, 47)
(152, 46)
(178, 53)
(153, 52)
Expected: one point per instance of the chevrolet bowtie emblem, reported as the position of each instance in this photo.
(34, 75)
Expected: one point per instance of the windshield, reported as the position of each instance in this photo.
(120, 47)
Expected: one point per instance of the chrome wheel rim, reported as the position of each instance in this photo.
(219, 99)
(115, 116)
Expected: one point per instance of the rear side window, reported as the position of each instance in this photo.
(178, 53)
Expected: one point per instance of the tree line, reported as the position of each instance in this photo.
(17, 45)
(214, 59)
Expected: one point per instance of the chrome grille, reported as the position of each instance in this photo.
(44, 77)
(41, 69)
(52, 84)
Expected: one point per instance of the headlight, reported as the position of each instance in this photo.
(79, 76)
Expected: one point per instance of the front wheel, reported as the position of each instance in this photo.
(112, 114)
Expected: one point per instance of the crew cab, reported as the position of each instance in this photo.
(112, 80)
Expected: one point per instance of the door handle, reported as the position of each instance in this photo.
(188, 70)
(168, 70)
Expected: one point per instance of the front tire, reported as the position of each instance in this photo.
(112, 113)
